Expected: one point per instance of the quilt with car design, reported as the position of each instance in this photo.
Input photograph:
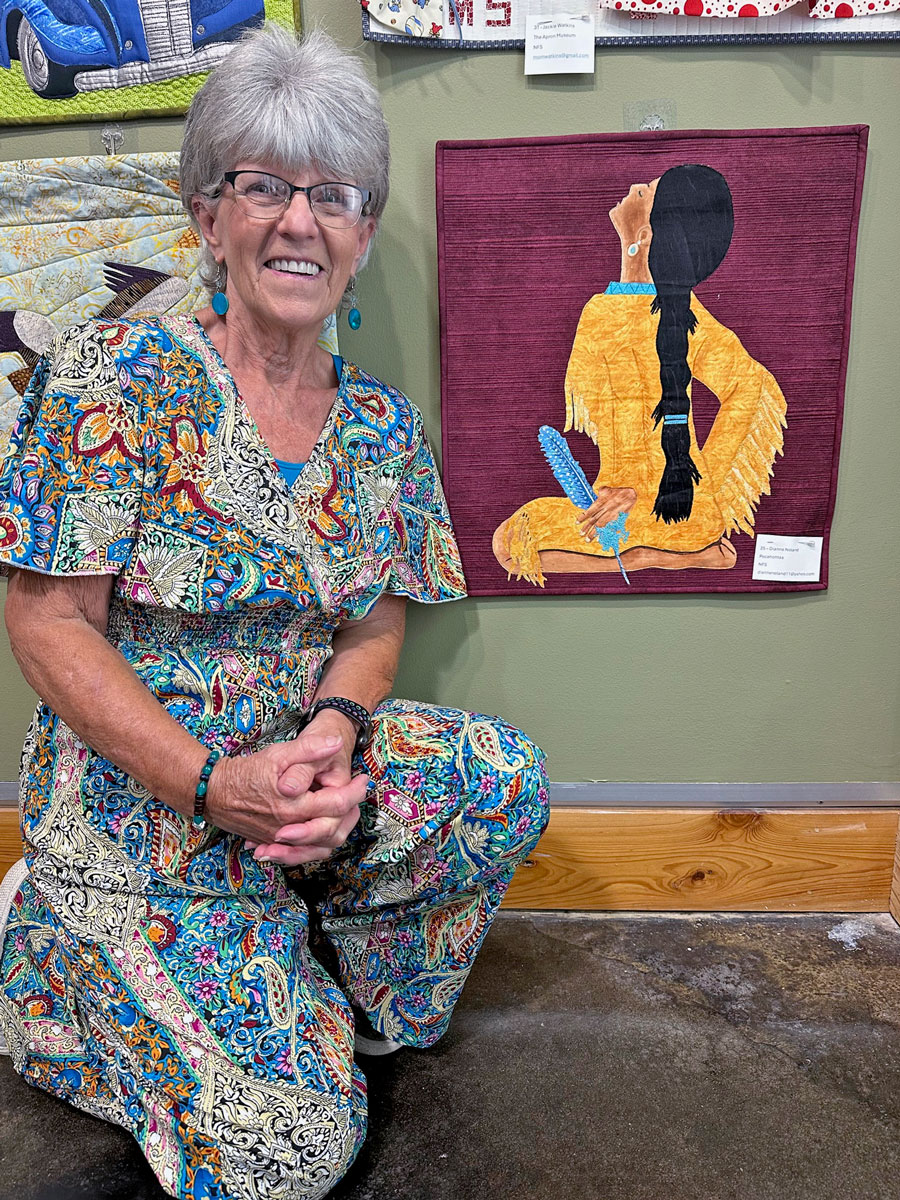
(126, 58)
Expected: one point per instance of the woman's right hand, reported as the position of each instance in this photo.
(609, 503)
(252, 796)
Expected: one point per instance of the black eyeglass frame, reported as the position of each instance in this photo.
(231, 176)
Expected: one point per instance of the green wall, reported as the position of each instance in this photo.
(642, 688)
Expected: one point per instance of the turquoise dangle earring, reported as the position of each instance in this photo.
(220, 300)
(354, 317)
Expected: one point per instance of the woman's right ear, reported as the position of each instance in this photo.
(205, 218)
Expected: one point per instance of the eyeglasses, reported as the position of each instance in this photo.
(265, 197)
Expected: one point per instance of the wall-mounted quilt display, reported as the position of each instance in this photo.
(643, 352)
(501, 24)
(89, 237)
(122, 58)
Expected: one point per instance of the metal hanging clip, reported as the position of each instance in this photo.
(112, 136)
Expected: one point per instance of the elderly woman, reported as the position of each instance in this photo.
(214, 527)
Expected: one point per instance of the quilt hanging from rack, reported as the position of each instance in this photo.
(85, 237)
(644, 344)
(123, 58)
(501, 24)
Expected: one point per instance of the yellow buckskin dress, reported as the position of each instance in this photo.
(612, 388)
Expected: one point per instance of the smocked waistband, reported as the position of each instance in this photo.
(276, 628)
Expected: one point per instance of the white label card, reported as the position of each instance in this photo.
(787, 559)
(559, 45)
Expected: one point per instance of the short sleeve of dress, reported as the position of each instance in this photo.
(70, 487)
(425, 564)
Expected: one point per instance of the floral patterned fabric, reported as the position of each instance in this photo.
(154, 973)
(415, 18)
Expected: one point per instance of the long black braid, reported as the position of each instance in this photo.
(692, 220)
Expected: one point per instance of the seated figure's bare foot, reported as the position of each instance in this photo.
(500, 547)
(719, 556)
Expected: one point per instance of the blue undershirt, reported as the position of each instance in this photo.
(291, 470)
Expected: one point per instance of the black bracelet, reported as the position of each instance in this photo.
(361, 717)
(203, 786)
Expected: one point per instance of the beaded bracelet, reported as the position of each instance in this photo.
(203, 786)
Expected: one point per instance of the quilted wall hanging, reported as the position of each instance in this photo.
(124, 58)
(88, 237)
(646, 328)
(501, 24)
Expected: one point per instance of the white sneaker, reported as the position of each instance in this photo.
(9, 885)
(367, 1039)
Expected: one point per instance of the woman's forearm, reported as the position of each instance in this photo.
(365, 655)
(90, 685)
(56, 634)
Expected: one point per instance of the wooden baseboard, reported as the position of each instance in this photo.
(693, 860)
(894, 908)
(10, 842)
(656, 860)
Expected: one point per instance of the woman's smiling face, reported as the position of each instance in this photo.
(286, 271)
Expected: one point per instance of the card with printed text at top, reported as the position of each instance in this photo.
(562, 45)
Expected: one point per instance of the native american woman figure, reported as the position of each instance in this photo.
(628, 387)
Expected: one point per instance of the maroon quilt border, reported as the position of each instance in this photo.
(587, 585)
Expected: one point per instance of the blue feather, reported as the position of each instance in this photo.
(569, 474)
(573, 482)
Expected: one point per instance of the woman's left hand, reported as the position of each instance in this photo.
(316, 838)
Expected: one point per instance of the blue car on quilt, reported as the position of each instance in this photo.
(71, 46)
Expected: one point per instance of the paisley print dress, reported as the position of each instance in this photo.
(152, 973)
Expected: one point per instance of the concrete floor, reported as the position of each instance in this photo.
(600, 1058)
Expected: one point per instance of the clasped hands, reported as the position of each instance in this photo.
(294, 802)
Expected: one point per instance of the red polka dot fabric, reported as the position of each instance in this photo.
(824, 9)
(859, 8)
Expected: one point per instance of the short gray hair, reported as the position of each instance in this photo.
(291, 101)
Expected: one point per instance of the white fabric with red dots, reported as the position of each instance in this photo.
(758, 8)
(859, 8)
(499, 19)
(705, 8)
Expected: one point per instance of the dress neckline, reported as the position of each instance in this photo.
(189, 328)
